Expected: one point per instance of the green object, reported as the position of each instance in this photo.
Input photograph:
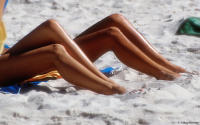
(191, 26)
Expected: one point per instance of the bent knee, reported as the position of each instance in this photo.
(56, 49)
(50, 23)
(116, 18)
(113, 31)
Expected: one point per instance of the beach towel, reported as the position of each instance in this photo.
(190, 26)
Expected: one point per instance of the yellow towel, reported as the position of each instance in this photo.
(52, 74)
(2, 36)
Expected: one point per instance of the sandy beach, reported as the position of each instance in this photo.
(160, 103)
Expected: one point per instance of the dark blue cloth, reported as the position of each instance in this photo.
(16, 88)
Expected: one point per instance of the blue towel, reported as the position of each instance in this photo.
(16, 88)
(6, 46)
(5, 4)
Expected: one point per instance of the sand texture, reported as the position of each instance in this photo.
(160, 103)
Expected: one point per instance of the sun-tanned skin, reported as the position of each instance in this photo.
(120, 22)
(1, 7)
(113, 39)
(13, 60)
(49, 48)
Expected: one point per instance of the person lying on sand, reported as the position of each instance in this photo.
(48, 48)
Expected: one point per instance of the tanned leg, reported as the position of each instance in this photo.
(117, 20)
(50, 32)
(52, 57)
(2, 2)
(112, 39)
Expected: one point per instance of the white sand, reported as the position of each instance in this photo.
(162, 102)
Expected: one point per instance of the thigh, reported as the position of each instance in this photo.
(26, 65)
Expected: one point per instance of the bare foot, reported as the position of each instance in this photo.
(118, 89)
(167, 76)
(179, 69)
